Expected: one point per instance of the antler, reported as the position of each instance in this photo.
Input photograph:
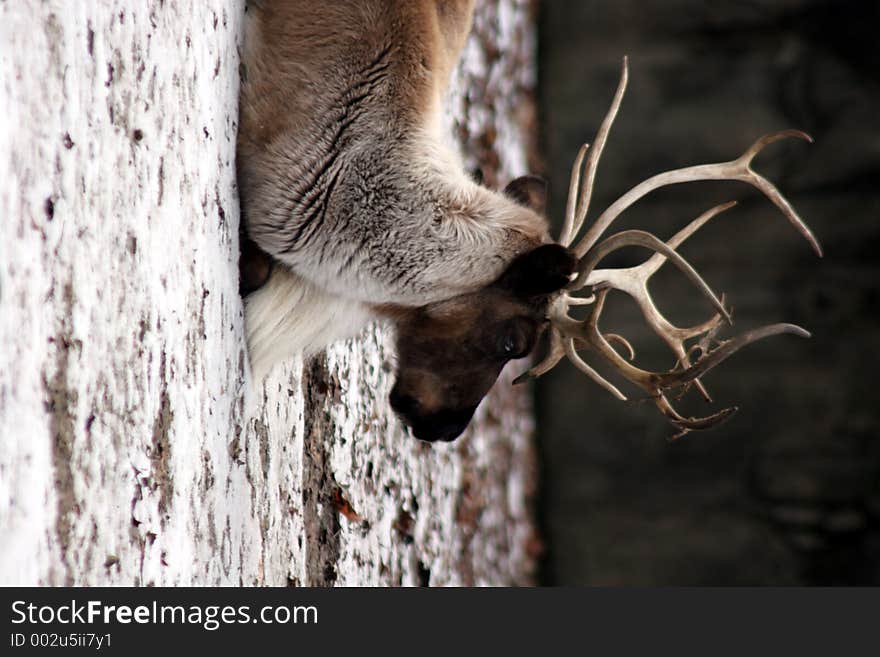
(567, 334)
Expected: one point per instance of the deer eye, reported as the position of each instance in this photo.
(515, 340)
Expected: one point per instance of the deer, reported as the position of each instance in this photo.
(355, 208)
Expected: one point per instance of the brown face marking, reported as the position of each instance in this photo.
(450, 353)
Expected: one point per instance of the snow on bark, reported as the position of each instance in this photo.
(133, 447)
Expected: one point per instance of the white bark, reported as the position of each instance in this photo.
(133, 447)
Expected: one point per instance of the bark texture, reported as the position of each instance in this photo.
(134, 449)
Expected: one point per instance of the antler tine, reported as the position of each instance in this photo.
(687, 424)
(634, 281)
(573, 356)
(571, 208)
(647, 240)
(738, 169)
(580, 210)
(769, 189)
(657, 260)
(555, 354)
(614, 338)
(726, 349)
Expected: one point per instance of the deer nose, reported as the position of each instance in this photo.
(445, 425)
(432, 434)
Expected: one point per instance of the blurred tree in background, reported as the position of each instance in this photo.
(788, 492)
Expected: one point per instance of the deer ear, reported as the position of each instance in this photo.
(530, 191)
(541, 271)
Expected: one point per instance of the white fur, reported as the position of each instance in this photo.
(289, 315)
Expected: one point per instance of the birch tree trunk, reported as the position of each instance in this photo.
(134, 449)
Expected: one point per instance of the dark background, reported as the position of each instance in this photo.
(788, 492)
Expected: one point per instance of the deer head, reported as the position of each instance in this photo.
(569, 335)
(450, 353)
